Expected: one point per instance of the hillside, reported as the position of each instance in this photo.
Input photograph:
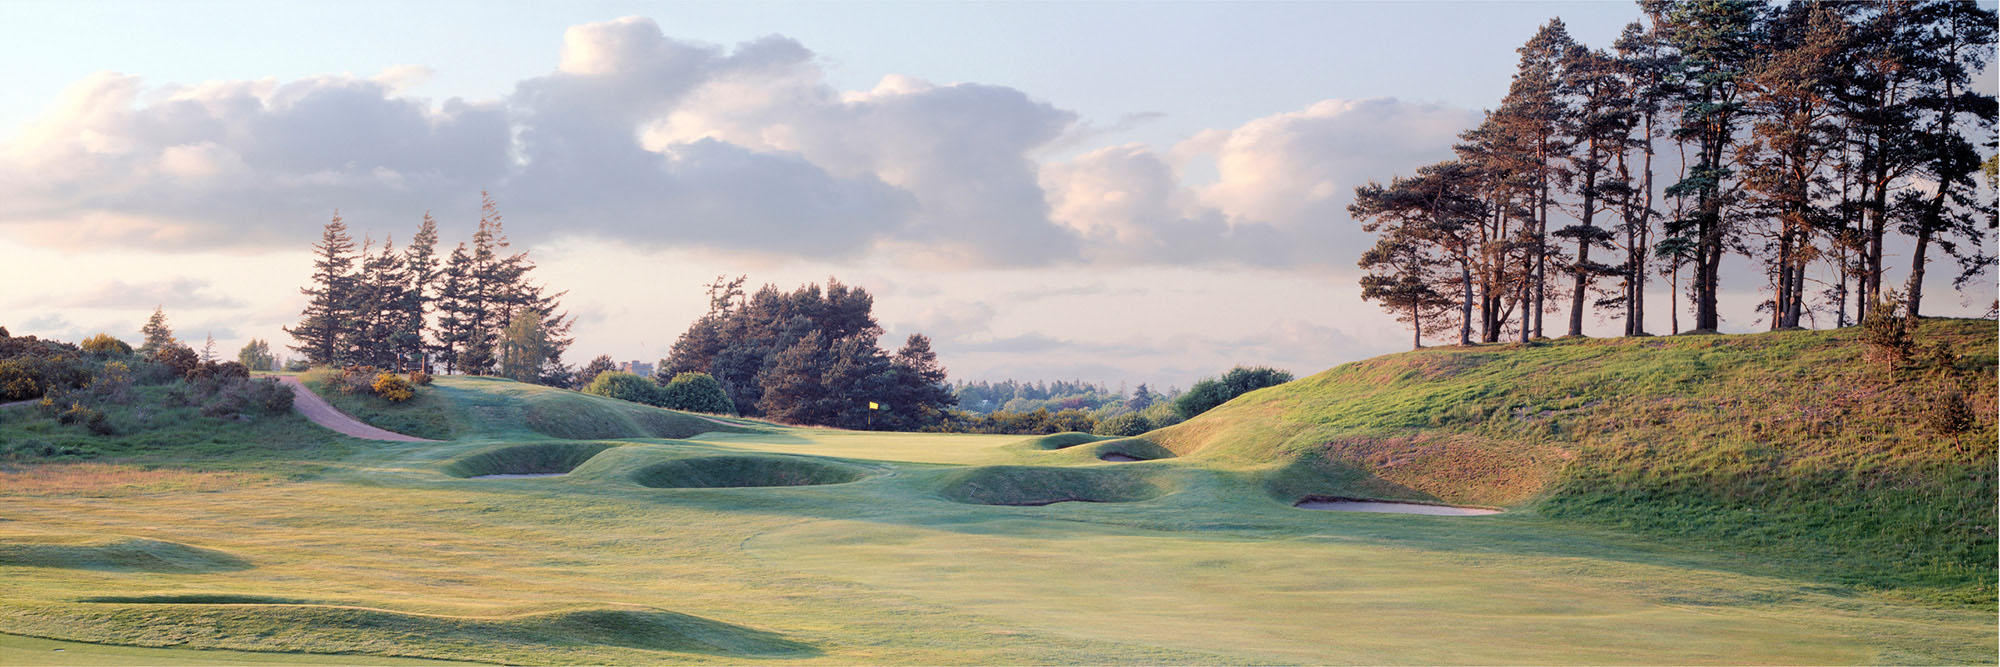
(1789, 444)
(481, 407)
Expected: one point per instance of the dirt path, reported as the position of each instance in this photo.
(30, 401)
(324, 414)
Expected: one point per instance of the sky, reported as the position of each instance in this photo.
(1113, 192)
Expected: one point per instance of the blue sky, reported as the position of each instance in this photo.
(1116, 192)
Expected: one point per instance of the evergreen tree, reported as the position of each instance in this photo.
(1598, 126)
(1955, 42)
(422, 270)
(1715, 39)
(921, 394)
(601, 364)
(330, 303)
(457, 315)
(792, 389)
(158, 335)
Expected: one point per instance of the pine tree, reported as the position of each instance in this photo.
(1599, 122)
(330, 297)
(158, 335)
(422, 270)
(1792, 136)
(921, 393)
(1715, 40)
(456, 310)
(1955, 43)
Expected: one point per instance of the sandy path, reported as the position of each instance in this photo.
(324, 414)
(30, 401)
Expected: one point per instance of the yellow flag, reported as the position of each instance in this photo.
(874, 406)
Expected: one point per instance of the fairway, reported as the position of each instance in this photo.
(817, 546)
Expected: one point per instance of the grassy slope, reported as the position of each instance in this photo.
(464, 407)
(1788, 445)
(388, 552)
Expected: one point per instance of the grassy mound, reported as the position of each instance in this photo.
(470, 406)
(424, 415)
(583, 634)
(1135, 448)
(1064, 440)
(710, 472)
(1033, 485)
(129, 554)
(1788, 444)
(191, 598)
(529, 459)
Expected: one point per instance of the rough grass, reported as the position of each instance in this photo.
(425, 415)
(1035, 485)
(1789, 445)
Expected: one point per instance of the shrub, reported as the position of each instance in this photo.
(1207, 394)
(1128, 424)
(1887, 332)
(393, 387)
(297, 366)
(696, 392)
(17, 381)
(1949, 413)
(104, 345)
(357, 380)
(420, 378)
(625, 387)
(89, 417)
(178, 358)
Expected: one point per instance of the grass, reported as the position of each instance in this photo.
(931, 549)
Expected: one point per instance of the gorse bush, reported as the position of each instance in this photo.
(104, 345)
(392, 387)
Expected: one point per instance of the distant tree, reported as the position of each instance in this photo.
(524, 347)
(330, 297)
(1142, 398)
(591, 370)
(256, 356)
(158, 334)
(1128, 424)
(1207, 394)
(208, 350)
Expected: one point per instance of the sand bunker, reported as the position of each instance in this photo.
(529, 475)
(1352, 505)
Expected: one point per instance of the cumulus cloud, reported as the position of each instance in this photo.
(642, 138)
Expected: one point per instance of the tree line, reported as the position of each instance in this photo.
(1807, 137)
(473, 312)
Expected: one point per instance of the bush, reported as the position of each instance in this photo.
(393, 387)
(1888, 334)
(1207, 394)
(357, 380)
(625, 387)
(104, 345)
(17, 381)
(420, 378)
(180, 359)
(1128, 424)
(696, 392)
(88, 417)
(243, 396)
(297, 366)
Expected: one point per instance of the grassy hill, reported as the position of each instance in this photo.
(1788, 444)
(485, 407)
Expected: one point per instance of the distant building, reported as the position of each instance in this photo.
(639, 368)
